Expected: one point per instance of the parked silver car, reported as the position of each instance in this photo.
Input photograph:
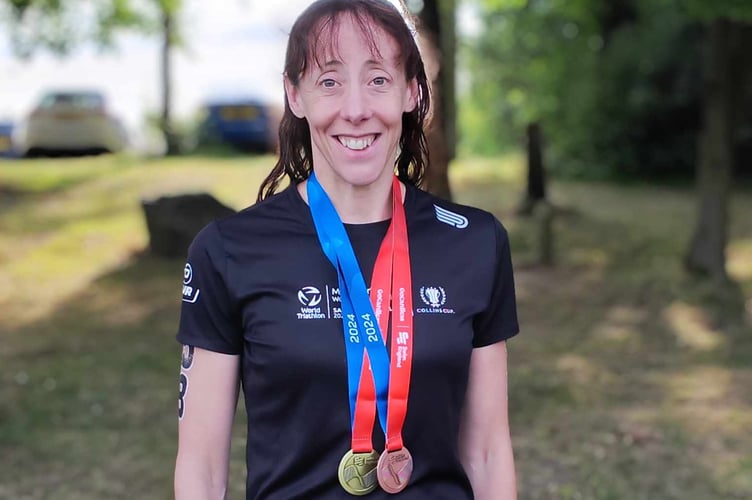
(70, 122)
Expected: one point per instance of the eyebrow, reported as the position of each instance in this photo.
(330, 64)
(370, 62)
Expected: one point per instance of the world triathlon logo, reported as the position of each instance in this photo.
(190, 294)
(309, 296)
(187, 274)
(435, 298)
(318, 302)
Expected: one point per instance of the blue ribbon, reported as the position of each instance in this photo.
(361, 328)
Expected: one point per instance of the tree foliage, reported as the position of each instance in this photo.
(60, 26)
(637, 87)
(736, 10)
(617, 85)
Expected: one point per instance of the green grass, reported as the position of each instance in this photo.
(630, 380)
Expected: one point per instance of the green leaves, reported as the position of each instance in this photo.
(498, 5)
(735, 10)
(616, 84)
(60, 26)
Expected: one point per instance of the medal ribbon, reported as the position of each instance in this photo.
(361, 328)
(365, 406)
(391, 283)
(402, 329)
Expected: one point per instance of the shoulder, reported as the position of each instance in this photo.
(247, 228)
(281, 211)
(445, 215)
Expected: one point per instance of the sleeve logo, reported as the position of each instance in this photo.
(190, 294)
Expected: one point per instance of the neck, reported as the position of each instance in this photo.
(358, 204)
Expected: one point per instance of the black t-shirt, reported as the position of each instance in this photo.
(258, 285)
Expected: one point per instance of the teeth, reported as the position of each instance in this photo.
(356, 144)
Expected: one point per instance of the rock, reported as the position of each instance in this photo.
(173, 221)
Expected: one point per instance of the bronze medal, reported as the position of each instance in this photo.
(357, 472)
(394, 470)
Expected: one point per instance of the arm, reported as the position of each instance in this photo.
(485, 444)
(208, 398)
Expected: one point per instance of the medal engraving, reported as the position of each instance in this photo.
(357, 472)
(394, 470)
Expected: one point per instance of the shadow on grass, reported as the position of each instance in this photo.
(56, 175)
(623, 383)
(11, 195)
(88, 400)
(628, 381)
(88, 393)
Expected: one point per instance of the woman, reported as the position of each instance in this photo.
(343, 397)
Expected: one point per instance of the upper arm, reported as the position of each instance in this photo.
(208, 398)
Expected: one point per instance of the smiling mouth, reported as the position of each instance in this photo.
(356, 143)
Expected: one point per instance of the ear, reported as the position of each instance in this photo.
(411, 96)
(293, 98)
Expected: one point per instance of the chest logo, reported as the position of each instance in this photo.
(309, 296)
(451, 218)
(435, 298)
(318, 302)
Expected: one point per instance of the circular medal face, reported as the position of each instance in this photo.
(357, 472)
(394, 470)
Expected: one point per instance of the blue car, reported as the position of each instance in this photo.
(245, 124)
(6, 140)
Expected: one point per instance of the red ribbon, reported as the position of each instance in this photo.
(391, 288)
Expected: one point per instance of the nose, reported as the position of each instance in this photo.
(355, 106)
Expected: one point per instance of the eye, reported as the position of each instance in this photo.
(380, 81)
(328, 83)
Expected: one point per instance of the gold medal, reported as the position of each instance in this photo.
(394, 470)
(357, 472)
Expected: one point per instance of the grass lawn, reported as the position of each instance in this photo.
(630, 380)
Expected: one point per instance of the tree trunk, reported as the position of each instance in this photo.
(536, 172)
(706, 254)
(438, 32)
(172, 146)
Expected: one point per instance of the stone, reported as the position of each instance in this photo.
(173, 221)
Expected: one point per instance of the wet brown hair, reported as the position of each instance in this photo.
(317, 25)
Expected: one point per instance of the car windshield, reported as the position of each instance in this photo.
(78, 100)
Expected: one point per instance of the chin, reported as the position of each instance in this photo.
(362, 177)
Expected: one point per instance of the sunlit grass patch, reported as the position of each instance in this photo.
(509, 169)
(691, 327)
(81, 218)
(739, 263)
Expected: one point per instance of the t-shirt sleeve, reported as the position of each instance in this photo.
(208, 317)
(498, 321)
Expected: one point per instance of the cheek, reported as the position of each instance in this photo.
(391, 114)
(321, 113)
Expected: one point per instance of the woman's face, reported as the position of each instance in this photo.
(354, 104)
